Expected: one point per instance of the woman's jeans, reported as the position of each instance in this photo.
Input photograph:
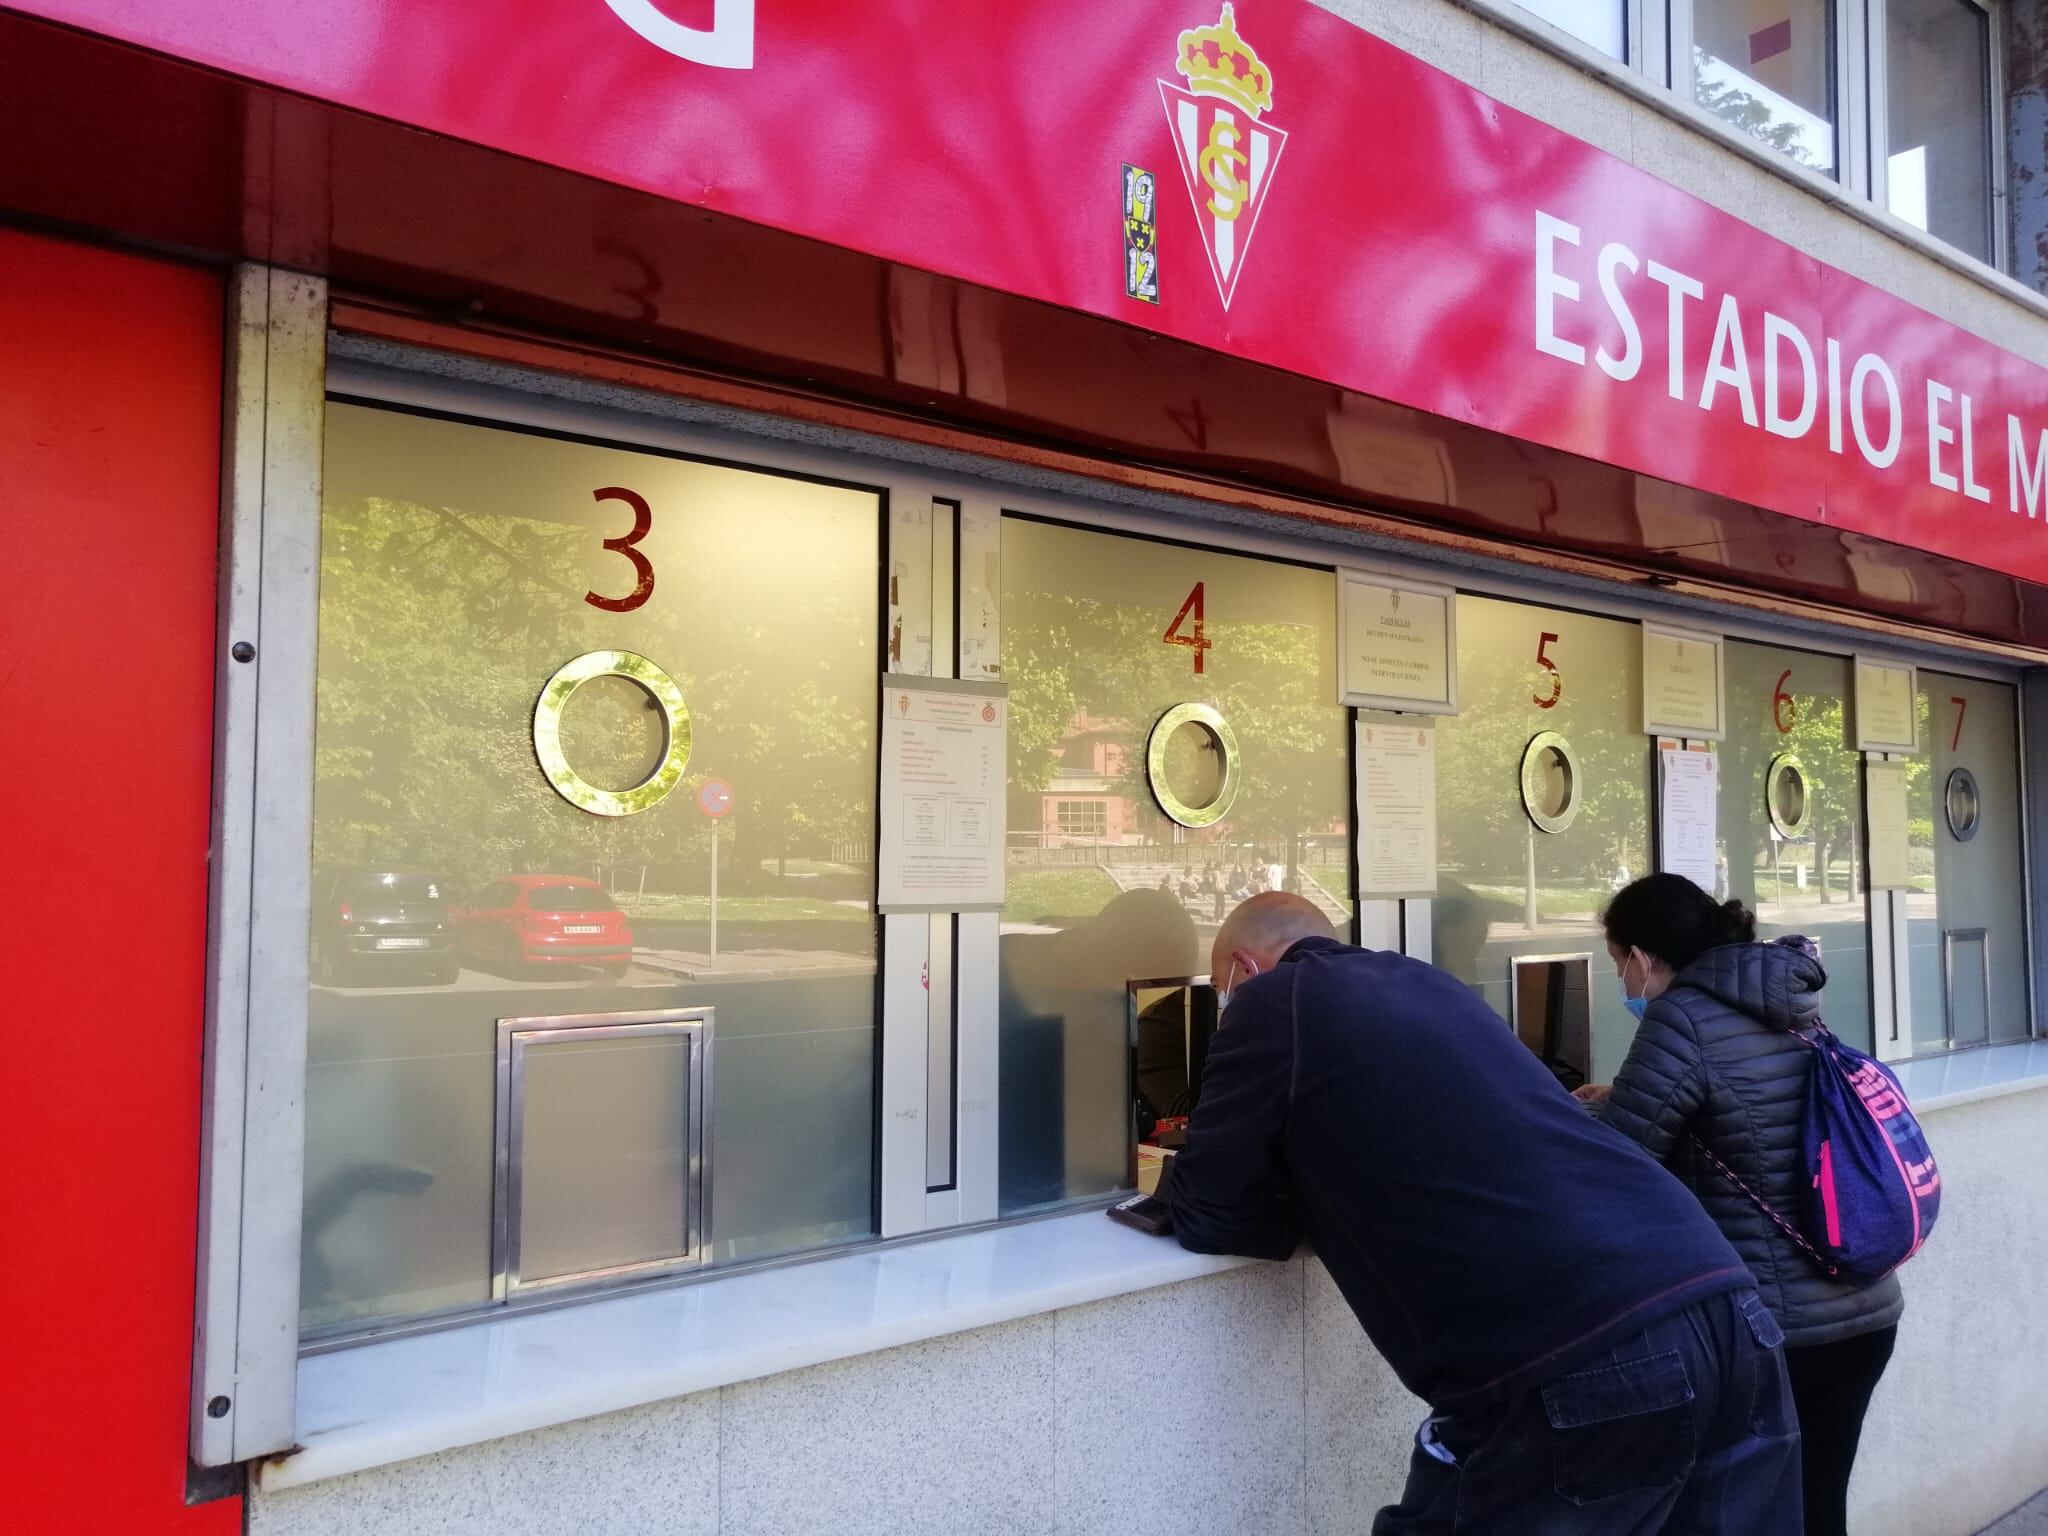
(1686, 1429)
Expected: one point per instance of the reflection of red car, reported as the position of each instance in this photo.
(521, 920)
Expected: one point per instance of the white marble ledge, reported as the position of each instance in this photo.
(400, 1398)
(1962, 1077)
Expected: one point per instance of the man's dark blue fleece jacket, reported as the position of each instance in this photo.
(1486, 1229)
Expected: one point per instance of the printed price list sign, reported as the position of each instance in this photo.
(944, 751)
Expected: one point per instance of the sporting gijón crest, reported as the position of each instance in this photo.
(1227, 154)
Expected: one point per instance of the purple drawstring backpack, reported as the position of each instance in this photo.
(1872, 1191)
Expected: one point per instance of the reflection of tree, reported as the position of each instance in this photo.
(1833, 783)
(1063, 655)
(794, 750)
(1833, 789)
(1483, 831)
(1751, 114)
(437, 630)
(1920, 808)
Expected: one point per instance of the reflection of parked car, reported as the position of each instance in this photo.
(374, 920)
(521, 920)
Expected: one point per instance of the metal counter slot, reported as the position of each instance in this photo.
(601, 1170)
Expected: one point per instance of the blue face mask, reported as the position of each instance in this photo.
(1638, 1006)
(1223, 992)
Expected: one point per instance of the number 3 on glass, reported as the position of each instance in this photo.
(1543, 644)
(643, 519)
(1194, 638)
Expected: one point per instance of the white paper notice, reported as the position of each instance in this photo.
(943, 765)
(1396, 810)
(1397, 647)
(1884, 802)
(1689, 809)
(1681, 683)
(1885, 720)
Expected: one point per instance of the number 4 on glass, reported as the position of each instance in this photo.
(1194, 638)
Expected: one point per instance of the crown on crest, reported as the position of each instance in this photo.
(1218, 62)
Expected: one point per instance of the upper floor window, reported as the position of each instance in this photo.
(1768, 68)
(1937, 167)
(1602, 23)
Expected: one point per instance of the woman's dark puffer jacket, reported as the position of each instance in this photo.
(1715, 1058)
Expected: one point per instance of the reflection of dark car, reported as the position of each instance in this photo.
(373, 921)
(522, 920)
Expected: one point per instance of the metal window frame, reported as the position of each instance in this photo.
(252, 1150)
(1891, 949)
(1878, 90)
(1853, 77)
(1649, 40)
(515, 1039)
(938, 1048)
(2031, 704)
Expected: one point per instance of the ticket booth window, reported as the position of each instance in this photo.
(1542, 814)
(560, 682)
(1791, 816)
(1191, 696)
(1966, 916)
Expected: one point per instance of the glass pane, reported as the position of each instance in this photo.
(1102, 635)
(1505, 888)
(1938, 107)
(1970, 729)
(1798, 877)
(1599, 22)
(603, 1157)
(1767, 66)
(455, 563)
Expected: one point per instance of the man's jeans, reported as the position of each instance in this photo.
(1687, 1429)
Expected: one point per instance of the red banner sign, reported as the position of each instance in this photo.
(1263, 179)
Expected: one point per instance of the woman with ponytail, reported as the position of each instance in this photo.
(1714, 1087)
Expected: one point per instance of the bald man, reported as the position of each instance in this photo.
(1593, 1353)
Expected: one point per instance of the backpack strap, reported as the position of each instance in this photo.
(1798, 1238)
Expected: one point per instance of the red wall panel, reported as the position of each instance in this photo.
(110, 389)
